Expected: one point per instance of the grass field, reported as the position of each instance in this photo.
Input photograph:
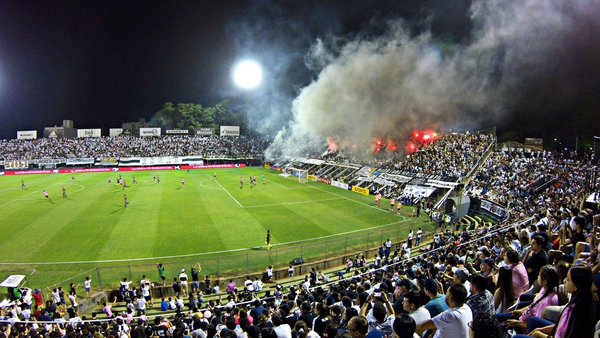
(212, 221)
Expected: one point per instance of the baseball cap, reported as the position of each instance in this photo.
(462, 274)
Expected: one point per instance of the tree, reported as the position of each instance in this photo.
(166, 117)
(189, 116)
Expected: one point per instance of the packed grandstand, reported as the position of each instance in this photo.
(521, 259)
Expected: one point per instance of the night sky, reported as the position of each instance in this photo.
(101, 63)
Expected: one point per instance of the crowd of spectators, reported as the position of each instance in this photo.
(526, 278)
(510, 178)
(127, 146)
(538, 277)
(452, 155)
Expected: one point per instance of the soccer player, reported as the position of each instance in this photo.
(215, 175)
(392, 202)
(182, 182)
(73, 178)
(64, 192)
(241, 182)
(134, 180)
(157, 179)
(125, 201)
(46, 195)
(154, 177)
(398, 207)
(268, 241)
(22, 184)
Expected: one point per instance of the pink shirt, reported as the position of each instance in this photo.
(563, 323)
(519, 279)
(230, 287)
(538, 309)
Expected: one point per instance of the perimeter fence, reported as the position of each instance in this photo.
(223, 265)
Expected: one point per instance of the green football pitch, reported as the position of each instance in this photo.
(210, 222)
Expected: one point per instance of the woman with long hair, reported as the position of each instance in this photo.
(577, 319)
(549, 280)
(504, 296)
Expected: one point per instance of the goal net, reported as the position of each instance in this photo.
(301, 174)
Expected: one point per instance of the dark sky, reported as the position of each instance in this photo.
(101, 63)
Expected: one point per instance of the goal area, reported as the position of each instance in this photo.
(301, 174)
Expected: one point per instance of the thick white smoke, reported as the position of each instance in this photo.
(389, 85)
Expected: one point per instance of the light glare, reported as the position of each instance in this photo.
(247, 74)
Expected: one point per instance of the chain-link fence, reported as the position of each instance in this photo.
(222, 265)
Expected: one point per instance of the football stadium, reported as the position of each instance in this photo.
(397, 170)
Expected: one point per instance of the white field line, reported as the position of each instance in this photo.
(82, 187)
(201, 184)
(292, 203)
(202, 253)
(355, 201)
(228, 193)
(19, 198)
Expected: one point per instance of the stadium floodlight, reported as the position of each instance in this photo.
(247, 74)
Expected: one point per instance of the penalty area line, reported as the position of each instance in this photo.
(228, 193)
(355, 201)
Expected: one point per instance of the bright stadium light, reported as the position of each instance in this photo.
(247, 74)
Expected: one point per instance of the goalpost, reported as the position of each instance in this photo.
(301, 174)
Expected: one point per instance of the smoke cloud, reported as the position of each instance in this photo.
(515, 58)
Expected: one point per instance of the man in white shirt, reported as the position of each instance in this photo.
(258, 284)
(413, 304)
(183, 281)
(282, 330)
(249, 285)
(419, 237)
(140, 305)
(453, 322)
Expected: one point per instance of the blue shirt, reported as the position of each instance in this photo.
(437, 305)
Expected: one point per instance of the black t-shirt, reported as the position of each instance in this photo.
(307, 318)
(535, 262)
(577, 237)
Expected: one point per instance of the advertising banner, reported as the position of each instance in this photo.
(205, 131)
(340, 185)
(311, 178)
(16, 164)
(230, 131)
(27, 135)
(145, 132)
(360, 190)
(493, 208)
(160, 160)
(107, 161)
(324, 180)
(80, 161)
(267, 166)
(177, 132)
(117, 169)
(114, 132)
(89, 132)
